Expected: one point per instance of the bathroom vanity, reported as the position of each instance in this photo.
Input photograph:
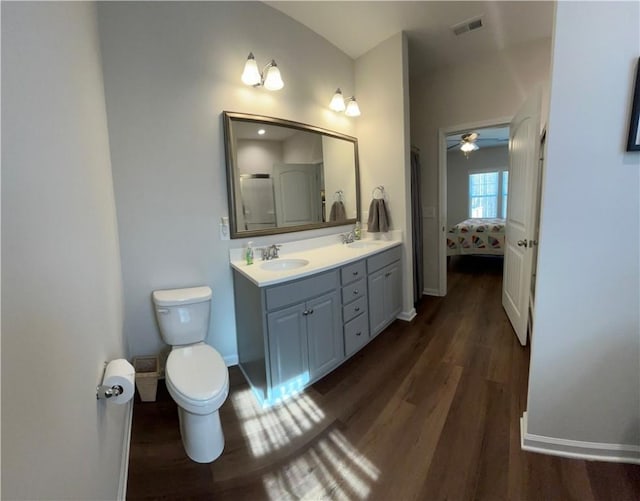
(296, 325)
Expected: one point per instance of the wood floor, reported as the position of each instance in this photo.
(428, 410)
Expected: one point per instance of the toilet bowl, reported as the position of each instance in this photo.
(195, 374)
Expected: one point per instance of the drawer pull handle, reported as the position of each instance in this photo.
(355, 292)
(358, 333)
(357, 308)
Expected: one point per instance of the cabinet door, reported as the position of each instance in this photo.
(288, 351)
(392, 291)
(324, 332)
(377, 318)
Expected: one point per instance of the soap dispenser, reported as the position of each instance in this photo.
(249, 253)
(357, 231)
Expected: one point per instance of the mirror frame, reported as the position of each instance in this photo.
(230, 152)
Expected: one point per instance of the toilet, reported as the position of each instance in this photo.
(196, 375)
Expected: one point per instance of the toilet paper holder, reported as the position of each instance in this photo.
(118, 382)
(103, 391)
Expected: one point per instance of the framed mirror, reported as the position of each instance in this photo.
(285, 176)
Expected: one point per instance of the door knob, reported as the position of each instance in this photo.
(522, 243)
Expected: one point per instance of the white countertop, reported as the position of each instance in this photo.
(322, 253)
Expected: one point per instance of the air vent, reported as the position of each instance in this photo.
(467, 26)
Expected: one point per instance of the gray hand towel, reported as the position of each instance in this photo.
(379, 219)
(338, 212)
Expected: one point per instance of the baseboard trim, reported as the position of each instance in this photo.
(431, 292)
(126, 448)
(576, 449)
(230, 360)
(407, 316)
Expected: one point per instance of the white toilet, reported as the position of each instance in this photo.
(196, 375)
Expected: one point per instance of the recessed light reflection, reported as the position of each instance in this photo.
(262, 132)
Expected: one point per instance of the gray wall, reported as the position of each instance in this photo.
(61, 285)
(458, 169)
(382, 87)
(170, 70)
(585, 359)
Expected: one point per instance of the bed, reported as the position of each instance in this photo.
(476, 237)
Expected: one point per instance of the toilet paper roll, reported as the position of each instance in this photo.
(119, 372)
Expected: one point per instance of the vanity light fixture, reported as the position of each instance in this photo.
(269, 78)
(351, 109)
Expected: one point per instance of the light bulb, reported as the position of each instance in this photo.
(251, 73)
(353, 110)
(273, 80)
(337, 101)
(468, 147)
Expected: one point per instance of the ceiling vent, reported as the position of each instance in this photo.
(467, 26)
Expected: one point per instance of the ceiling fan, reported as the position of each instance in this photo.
(469, 142)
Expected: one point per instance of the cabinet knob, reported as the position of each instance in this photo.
(387, 274)
(358, 333)
(357, 308)
(355, 292)
(310, 311)
(355, 273)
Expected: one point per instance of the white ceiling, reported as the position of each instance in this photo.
(356, 27)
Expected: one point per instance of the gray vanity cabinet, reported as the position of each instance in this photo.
(324, 334)
(385, 289)
(304, 340)
(292, 333)
(288, 350)
(289, 334)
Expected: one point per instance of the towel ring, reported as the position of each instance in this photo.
(379, 191)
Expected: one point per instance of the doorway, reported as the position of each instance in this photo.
(473, 185)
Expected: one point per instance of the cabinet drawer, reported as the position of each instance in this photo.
(356, 334)
(354, 309)
(352, 272)
(279, 296)
(381, 260)
(354, 291)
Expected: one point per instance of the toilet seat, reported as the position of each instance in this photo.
(197, 378)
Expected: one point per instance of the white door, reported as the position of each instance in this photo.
(297, 194)
(524, 142)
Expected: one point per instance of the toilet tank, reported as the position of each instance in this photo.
(183, 314)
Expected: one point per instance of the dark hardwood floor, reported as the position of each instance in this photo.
(428, 410)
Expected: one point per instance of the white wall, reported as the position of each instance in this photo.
(258, 157)
(170, 70)
(61, 280)
(585, 361)
(339, 174)
(302, 148)
(483, 88)
(382, 88)
(458, 169)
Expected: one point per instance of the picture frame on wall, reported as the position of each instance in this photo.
(633, 143)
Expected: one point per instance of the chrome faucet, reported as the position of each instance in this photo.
(270, 252)
(348, 238)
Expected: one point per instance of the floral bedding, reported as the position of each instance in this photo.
(476, 236)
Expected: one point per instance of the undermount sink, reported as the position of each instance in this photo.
(364, 244)
(284, 264)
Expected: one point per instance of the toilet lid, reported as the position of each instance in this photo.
(197, 372)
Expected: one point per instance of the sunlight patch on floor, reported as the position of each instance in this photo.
(331, 469)
(267, 429)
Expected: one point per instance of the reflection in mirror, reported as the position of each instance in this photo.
(285, 176)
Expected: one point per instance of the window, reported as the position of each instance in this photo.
(488, 194)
